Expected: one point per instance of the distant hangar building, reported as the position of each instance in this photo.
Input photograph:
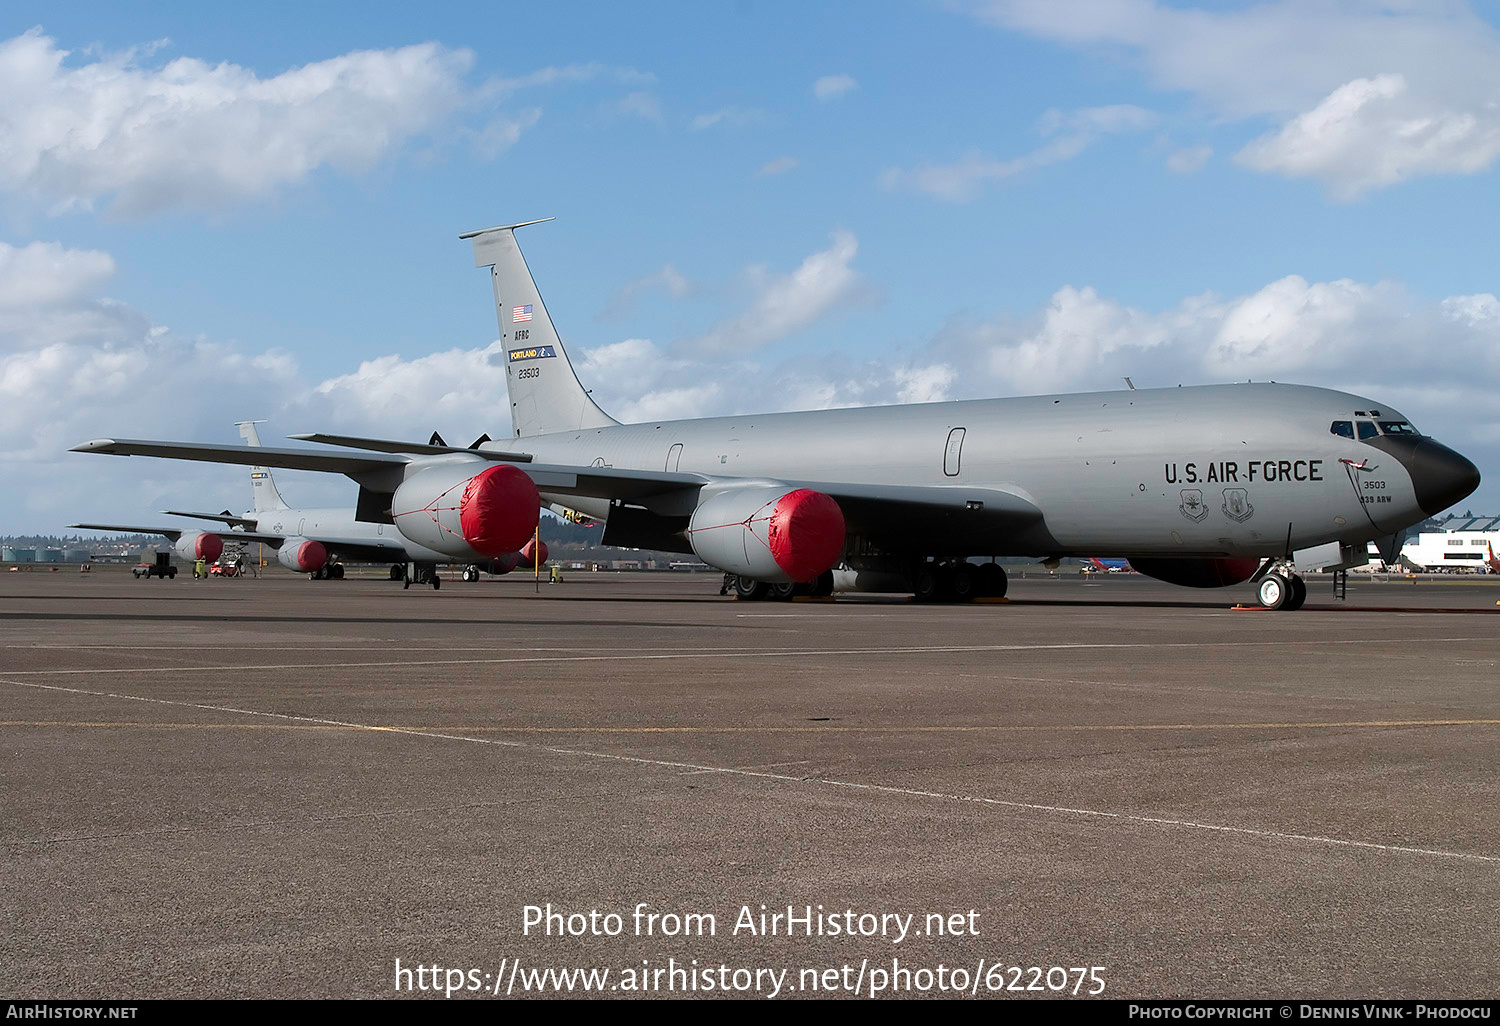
(1464, 544)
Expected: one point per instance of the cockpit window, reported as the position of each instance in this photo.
(1342, 428)
(1397, 427)
(1366, 430)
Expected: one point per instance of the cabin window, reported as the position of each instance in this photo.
(1397, 427)
(1366, 430)
(1343, 428)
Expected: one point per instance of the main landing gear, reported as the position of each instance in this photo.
(959, 581)
(1282, 589)
(331, 572)
(748, 589)
(421, 575)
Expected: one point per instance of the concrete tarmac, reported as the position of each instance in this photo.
(280, 788)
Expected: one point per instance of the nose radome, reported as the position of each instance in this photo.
(1440, 476)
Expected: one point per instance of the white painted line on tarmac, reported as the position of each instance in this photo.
(1118, 817)
(743, 653)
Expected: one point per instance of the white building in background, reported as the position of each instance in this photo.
(1464, 545)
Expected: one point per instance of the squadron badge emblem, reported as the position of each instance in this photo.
(1192, 505)
(1237, 505)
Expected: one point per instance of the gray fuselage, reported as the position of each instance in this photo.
(1218, 470)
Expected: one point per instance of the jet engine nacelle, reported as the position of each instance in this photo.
(302, 554)
(1198, 573)
(532, 555)
(768, 532)
(502, 565)
(199, 545)
(468, 510)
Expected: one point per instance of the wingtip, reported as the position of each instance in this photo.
(94, 445)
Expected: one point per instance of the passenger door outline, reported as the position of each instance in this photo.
(953, 453)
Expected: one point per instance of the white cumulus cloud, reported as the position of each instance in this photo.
(199, 135)
(1367, 93)
(1372, 132)
(787, 303)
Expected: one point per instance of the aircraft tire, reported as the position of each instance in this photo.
(963, 583)
(783, 592)
(437, 580)
(397, 571)
(823, 586)
(1299, 593)
(1275, 591)
(927, 584)
(749, 589)
(338, 571)
(471, 573)
(992, 580)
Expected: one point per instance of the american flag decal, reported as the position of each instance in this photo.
(520, 313)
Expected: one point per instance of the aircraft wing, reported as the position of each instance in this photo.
(264, 456)
(925, 507)
(889, 515)
(876, 510)
(173, 533)
(363, 550)
(420, 448)
(224, 518)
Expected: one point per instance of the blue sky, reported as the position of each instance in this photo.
(209, 214)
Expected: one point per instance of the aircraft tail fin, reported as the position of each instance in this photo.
(1490, 560)
(263, 491)
(545, 394)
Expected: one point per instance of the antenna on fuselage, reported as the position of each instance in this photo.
(1130, 384)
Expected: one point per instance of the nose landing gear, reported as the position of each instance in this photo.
(1282, 589)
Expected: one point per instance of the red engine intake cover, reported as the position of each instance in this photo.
(498, 510)
(530, 552)
(311, 556)
(209, 547)
(806, 533)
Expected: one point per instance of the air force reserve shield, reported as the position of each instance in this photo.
(1237, 505)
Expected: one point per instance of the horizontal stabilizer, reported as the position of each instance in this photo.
(173, 533)
(170, 533)
(502, 228)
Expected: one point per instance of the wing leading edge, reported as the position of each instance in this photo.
(888, 514)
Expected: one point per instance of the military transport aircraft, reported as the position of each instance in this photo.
(311, 541)
(1202, 486)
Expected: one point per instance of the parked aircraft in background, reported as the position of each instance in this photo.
(311, 541)
(1205, 486)
(1107, 566)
